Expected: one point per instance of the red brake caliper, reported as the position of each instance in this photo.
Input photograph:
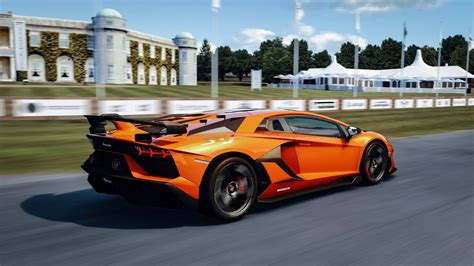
(241, 184)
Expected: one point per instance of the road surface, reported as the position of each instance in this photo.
(422, 215)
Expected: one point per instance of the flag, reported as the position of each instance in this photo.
(215, 6)
(470, 44)
(405, 32)
(441, 35)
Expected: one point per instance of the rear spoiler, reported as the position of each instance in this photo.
(97, 124)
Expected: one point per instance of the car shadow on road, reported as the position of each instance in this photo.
(88, 208)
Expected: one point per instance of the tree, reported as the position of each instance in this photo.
(256, 60)
(275, 59)
(458, 58)
(449, 45)
(304, 55)
(410, 54)
(371, 57)
(321, 59)
(430, 55)
(226, 61)
(204, 62)
(390, 53)
(345, 56)
(242, 63)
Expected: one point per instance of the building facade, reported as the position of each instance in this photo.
(101, 51)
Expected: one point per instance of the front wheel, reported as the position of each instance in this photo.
(232, 189)
(374, 163)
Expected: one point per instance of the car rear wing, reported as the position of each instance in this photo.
(98, 122)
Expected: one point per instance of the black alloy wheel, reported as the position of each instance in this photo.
(374, 164)
(232, 188)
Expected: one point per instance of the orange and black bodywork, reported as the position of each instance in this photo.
(212, 159)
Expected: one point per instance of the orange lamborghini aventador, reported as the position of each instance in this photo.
(223, 161)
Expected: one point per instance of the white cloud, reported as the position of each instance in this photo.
(333, 40)
(384, 5)
(319, 41)
(301, 28)
(251, 38)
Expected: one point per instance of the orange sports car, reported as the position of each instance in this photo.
(223, 161)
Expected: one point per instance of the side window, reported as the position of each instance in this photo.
(312, 126)
(276, 124)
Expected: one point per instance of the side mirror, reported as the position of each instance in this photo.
(351, 132)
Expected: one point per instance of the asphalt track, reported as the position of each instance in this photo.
(422, 215)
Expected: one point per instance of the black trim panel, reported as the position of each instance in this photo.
(143, 192)
(282, 165)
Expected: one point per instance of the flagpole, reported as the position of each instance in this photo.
(215, 7)
(296, 51)
(402, 66)
(356, 54)
(439, 58)
(469, 40)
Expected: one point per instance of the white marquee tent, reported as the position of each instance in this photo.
(417, 77)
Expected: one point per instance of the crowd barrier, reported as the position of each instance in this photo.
(13, 107)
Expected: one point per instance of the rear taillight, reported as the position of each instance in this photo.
(152, 152)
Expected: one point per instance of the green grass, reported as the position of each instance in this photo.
(226, 90)
(35, 147)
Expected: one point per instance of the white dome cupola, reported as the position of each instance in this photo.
(187, 58)
(109, 13)
(110, 40)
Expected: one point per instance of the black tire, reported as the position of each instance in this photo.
(373, 166)
(230, 189)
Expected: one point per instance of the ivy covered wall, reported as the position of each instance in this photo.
(50, 51)
(147, 61)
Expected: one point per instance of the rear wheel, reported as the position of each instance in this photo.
(374, 163)
(231, 189)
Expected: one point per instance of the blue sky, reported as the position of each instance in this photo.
(244, 23)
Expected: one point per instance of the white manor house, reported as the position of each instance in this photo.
(417, 77)
(103, 50)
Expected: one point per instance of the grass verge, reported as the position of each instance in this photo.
(40, 147)
(226, 91)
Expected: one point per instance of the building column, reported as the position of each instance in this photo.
(12, 42)
(12, 69)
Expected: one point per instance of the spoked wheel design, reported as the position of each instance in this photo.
(232, 188)
(374, 165)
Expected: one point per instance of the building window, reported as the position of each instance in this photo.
(90, 75)
(35, 40)
(109, 22)
(110, 42)
(173, 56)
(163, 53)
(90, 42)
(64, 40)
(140, 49)
(152, 51)
(128, 73)
(110, 71)
(124, 44)
(4, 37)
(65, 68)
(184, 55)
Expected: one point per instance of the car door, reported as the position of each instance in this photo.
(318, 149)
